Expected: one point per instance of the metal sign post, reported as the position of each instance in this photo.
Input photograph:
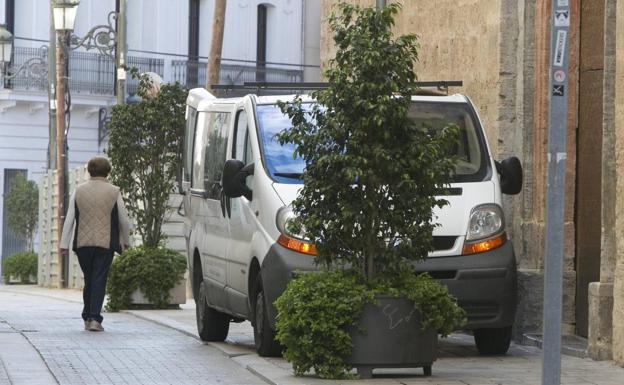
(555, 202)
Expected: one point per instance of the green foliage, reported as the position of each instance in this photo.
(362, 150)
(145, 148)
(315, 310)
(22, 203)
(21, 265)
(369, 192)
(154, 271)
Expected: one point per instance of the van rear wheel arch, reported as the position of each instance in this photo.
(196, 274)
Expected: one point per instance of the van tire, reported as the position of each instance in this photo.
(494, 341)
(264, 336)
(212, 325)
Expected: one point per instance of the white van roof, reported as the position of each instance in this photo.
(201, 99)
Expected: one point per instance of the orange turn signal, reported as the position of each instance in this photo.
(297, 245)
(486, 245)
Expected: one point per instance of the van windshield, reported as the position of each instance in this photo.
(471, 152)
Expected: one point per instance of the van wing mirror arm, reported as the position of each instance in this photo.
(243, 174)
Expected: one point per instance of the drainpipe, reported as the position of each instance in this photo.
(381, 4)
(303, 41)
(52, 94)
(120, 53)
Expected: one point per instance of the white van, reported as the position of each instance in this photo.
(238, 183)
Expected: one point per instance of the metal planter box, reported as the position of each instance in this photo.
(389, 335)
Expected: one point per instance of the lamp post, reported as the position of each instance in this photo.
(109, 40)
(64, 18)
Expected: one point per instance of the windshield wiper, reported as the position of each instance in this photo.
(291, 175)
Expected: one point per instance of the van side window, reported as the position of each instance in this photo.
(240, 135)
(189, 141)
(215, 152)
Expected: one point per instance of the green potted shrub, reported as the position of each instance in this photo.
(144, 148)
(20, 268)
(367, 201)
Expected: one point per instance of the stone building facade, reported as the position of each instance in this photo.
(500, 50)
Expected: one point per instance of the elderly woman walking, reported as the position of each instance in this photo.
(97, 219)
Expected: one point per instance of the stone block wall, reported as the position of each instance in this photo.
(618, 284)
(453, 46)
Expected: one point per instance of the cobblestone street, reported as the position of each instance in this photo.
(161, 347)
(130, 351)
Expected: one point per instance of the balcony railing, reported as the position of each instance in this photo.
(94, 74)
(193, 73)
(89, 73)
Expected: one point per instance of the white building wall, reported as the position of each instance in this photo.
(152, 25)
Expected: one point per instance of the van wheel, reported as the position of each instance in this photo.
(212, 325)
(493, 341)
(264, 336)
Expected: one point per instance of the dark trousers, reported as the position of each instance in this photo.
(94, 262)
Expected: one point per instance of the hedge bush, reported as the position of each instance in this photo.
(315, 310)
(154, 271)
(21, 265)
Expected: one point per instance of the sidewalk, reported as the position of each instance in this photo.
(458, 361)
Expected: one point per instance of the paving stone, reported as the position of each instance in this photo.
(166, 350)
(130, 351)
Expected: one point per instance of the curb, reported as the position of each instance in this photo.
(258, 366)
(536, 340)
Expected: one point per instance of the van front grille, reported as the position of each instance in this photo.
(443, 242)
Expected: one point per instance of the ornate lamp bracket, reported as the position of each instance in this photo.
(33, 69)
(101, 37)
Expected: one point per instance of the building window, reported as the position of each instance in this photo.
(261, 46)
(192, 71)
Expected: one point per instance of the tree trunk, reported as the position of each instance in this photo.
(216, 45)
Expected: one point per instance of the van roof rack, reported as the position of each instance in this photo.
(442, 85)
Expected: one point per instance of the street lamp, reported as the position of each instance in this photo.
(6, 44)
(65, 14)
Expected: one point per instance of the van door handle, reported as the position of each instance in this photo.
(181, 209)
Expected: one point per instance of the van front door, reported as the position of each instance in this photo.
(242, 219)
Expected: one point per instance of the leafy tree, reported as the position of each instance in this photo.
(372, 175)
(369, 192)
(23, 208)
(145, 147)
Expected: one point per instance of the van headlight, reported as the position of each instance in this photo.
(288, 238)
(486, 229)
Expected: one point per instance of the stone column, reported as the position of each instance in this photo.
(531, 243)
(618, 279)
(599, 344)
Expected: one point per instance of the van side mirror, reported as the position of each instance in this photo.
(510, 171)
(234, 174)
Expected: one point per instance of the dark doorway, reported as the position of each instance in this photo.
(589, 156)
(11, 242)
(192, 68)
(261, 46)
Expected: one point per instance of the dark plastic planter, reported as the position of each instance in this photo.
(389, 335)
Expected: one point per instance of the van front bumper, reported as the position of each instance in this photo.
(484, 284)
(280, 265)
